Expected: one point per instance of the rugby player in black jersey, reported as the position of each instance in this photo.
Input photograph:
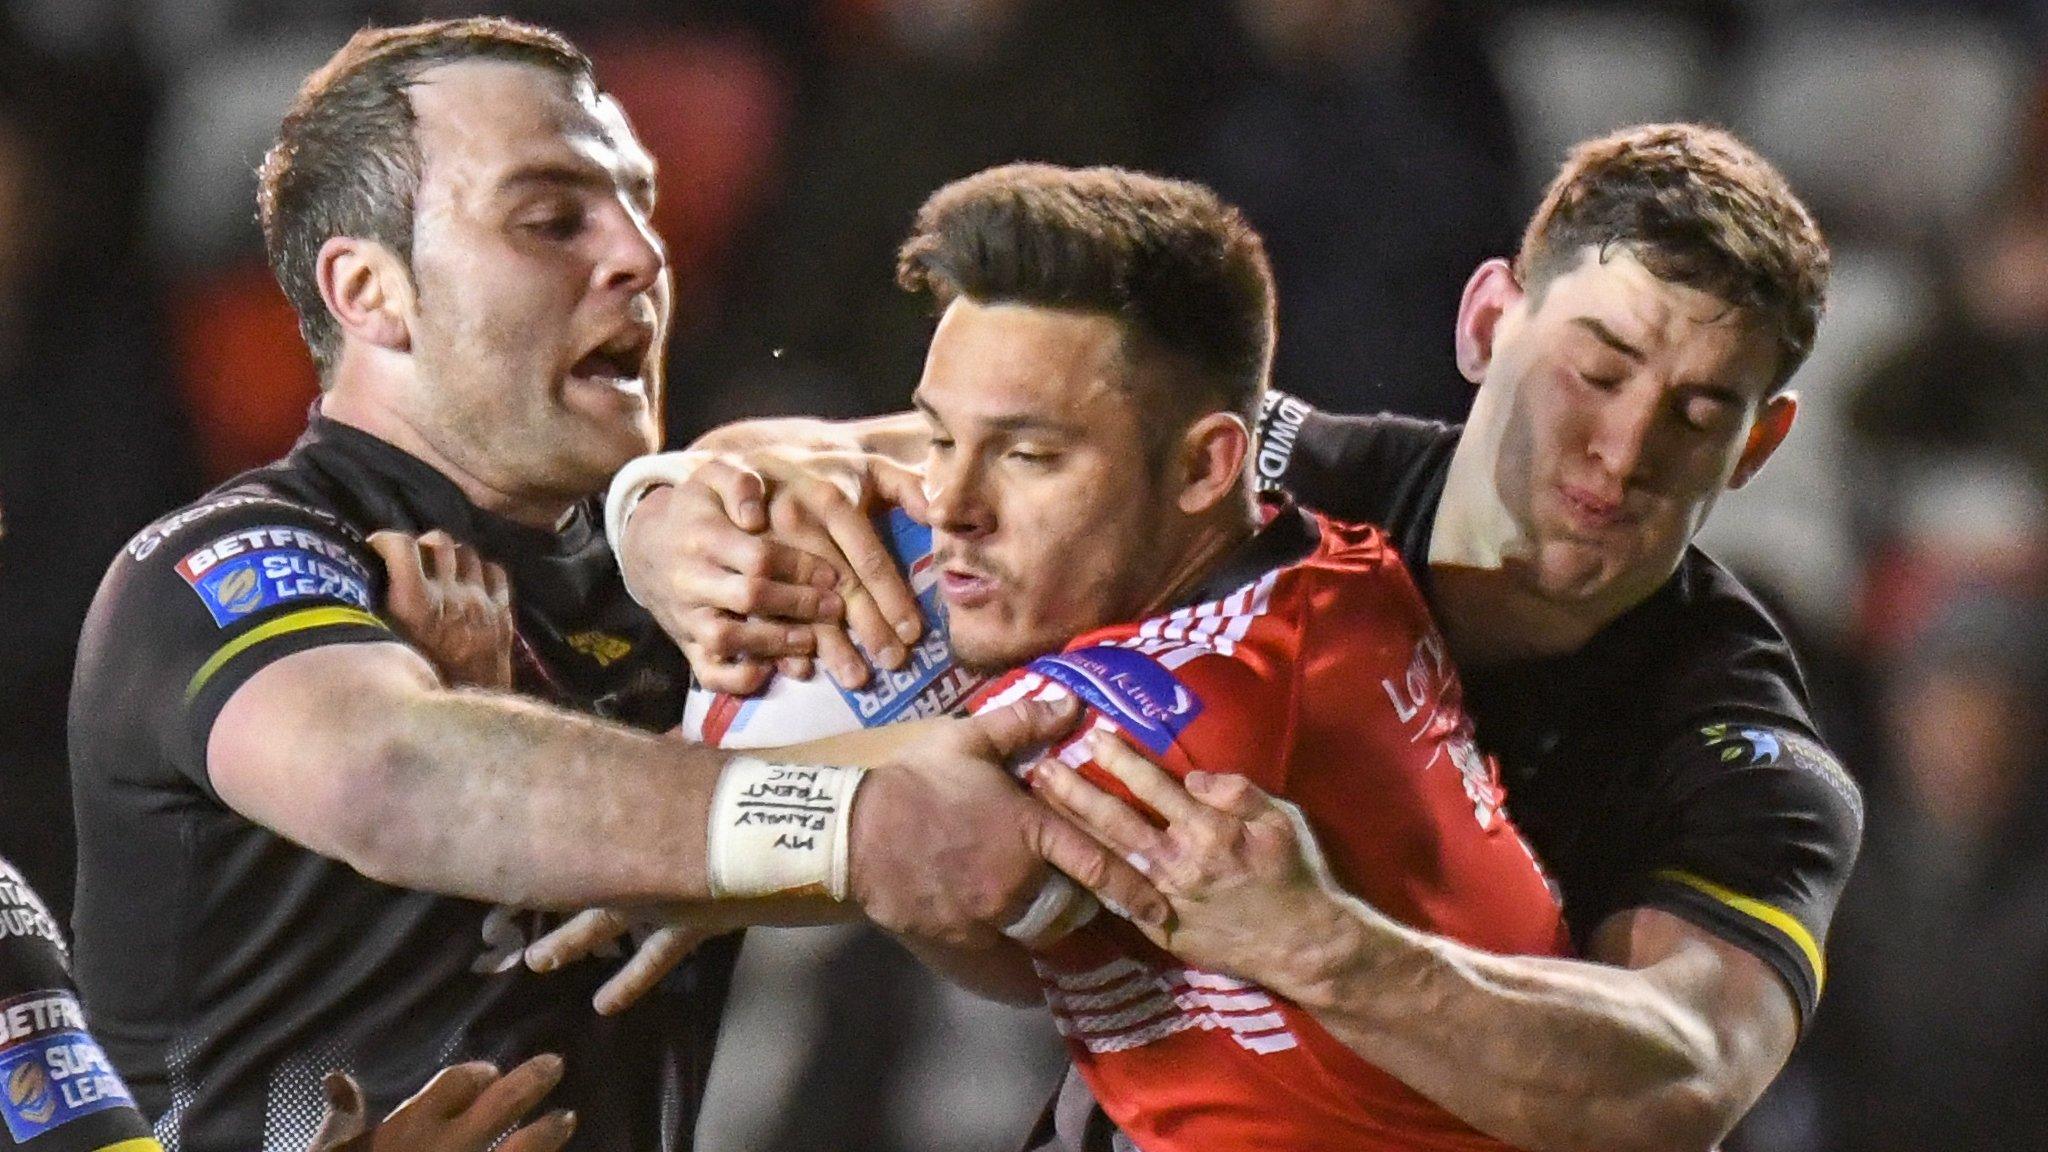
(1649, 716)
(300, 848)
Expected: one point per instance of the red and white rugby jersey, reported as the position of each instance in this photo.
(1325, 682)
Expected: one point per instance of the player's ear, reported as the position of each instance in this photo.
(1490, 292)
(367, 290)
(1769, 431)
(1212, 460)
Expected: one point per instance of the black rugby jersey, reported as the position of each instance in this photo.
(1670, 763)
(228, 969)
(58, 1091)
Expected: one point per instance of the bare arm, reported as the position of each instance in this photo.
(358, 753)
(995, 967)
(1661, 1039)
(901, 436)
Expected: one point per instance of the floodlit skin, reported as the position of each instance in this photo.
(1046, 520)
(533, 247)
(1585, 469)
(1614, 409)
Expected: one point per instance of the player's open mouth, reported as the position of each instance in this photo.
(965, 589)
(620, 362)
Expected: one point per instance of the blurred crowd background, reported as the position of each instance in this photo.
(1383, 147)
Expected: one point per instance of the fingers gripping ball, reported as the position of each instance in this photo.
(792, 711)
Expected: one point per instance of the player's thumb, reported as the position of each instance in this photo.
(740, 491)
(1008, 733)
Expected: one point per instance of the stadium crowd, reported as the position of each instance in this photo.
(1383, 148)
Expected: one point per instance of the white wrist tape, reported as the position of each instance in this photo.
(780, 829)
(633, 482)
(1060, 907)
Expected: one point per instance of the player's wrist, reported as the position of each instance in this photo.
(781, 830)
(1341, 953)
(633, 483)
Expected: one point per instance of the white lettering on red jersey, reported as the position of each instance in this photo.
(1326, 683)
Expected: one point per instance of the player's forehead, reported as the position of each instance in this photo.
(1004, 363)
(483, 125)
(1612, 303)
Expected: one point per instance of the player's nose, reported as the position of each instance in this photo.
(956, 497)
(634, 256)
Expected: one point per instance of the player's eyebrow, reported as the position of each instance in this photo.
(1607, 336)
(638, 180)
(1012, 423)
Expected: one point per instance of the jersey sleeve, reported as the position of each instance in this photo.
(58, 1093)
(193, 608)
(1764, 831)
(1350, 467)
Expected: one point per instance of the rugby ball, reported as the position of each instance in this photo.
(791, 711)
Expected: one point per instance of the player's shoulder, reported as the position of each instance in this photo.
(250, 545)
(247, 501)
(1735, 739)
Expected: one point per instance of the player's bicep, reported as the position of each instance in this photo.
(296, 744)
(1746, 1004)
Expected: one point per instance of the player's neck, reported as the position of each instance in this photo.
(1207, 545)
(366, 410)
(1488, 617)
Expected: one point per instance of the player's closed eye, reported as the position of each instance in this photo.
(562, 222)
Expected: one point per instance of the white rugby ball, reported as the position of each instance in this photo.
(790, 711)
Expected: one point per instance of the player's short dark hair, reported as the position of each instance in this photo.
(1181, 270)
(1697, 207)
(346, 163)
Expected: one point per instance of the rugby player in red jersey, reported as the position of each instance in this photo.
(1632, 363)
(1089, 395)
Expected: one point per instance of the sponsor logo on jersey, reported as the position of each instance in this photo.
(147, 541)
(1131, 688)
(256, 568)
(21, 914)
(1429, 704)
(604, 647)
(51, 1071)
(1749, 745)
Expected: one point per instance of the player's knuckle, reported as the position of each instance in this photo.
(720, 637)
(749, 556)
(755, 591)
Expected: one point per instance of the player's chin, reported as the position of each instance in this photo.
(1573, 571)
(986, 648)
(614, 428)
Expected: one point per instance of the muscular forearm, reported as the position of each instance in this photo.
(500, 799)
(901, 437)
(1540, 1052)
